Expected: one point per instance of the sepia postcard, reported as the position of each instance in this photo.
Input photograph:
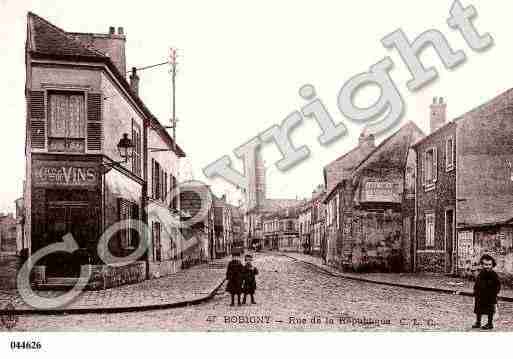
(194, 166)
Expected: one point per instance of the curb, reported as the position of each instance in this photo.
(110, 310)
(465, 293)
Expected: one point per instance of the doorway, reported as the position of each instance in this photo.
(81, 221)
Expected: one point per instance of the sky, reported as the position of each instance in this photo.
(242, 63)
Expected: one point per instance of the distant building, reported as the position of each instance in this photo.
(8, 234)
(199, 236)
(10, 259)
(281, 229)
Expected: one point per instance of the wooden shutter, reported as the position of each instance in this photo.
(94, 124)
(152, 178)
(424, 169)
(37, 119)
(435, 165)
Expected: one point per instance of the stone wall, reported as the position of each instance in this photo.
(104, 276)
(430, 261)
(373, 241)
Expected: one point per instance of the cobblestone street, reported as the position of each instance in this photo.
(294, 296)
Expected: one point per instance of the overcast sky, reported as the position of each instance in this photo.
(243, 62)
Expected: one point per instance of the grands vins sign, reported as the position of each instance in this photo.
(65, 174)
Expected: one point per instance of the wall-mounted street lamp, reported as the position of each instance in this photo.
(125, 148)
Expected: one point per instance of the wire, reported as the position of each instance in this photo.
(149, 67)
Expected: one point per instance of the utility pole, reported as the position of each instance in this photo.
(173, 63)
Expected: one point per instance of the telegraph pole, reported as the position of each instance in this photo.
(174, 120)
(173, 63)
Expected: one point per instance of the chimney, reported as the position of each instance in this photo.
(134, 81)
(438, 114)
(111, 44)
(366, 140)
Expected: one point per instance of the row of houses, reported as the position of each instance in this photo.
(96, 156)
(420, 202)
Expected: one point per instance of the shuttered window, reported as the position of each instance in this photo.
(67, 115)
(137, 151)
(172, 186)
(430, 229)
(153, 192)
(157, 246)
(430, 168)
(94, 125)
(449, 154)
(37, 119)
(128, 211)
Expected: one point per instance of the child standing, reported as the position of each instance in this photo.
(486, 289)
(234, 278)
(249, 282)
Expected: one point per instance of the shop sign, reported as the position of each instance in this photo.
(378, 191)
(66, 174)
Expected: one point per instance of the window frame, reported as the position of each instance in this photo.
(67, 140)
(133, 212)
(449, 166)
(430, 240)
(430, 183)
(137, 151)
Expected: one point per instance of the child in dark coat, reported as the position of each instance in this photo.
(249, 281)
(486, 289)
(234, 278)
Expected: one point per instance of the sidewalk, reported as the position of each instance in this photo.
(187, 287)
(431, 282)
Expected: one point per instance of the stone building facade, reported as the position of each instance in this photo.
(436, 194)
(367, 211)
(484, 185)
(336, 178)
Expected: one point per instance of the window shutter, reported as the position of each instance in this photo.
(94, 125)
(37, 119)
(424, 169)
(165, 186)
(152, 178)
(435, 165)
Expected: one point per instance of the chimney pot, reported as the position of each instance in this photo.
(112, 30)
(441, 100)
(120, 30)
